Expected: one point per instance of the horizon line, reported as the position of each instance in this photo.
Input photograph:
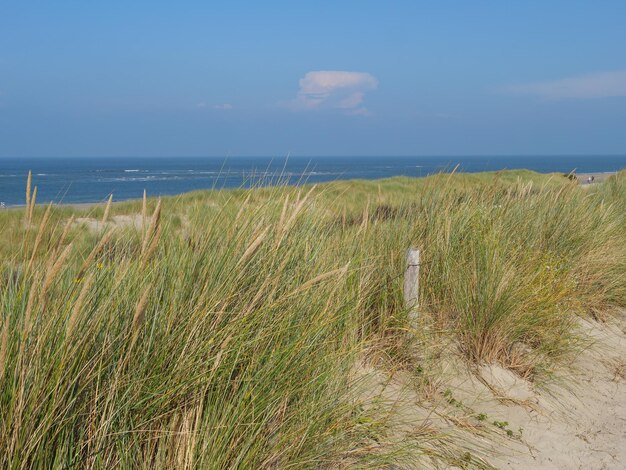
(287, 157)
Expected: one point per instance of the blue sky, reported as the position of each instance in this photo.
(312, 78)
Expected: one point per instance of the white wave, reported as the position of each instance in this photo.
(139, 178)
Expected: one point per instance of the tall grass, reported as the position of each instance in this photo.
(224, 331)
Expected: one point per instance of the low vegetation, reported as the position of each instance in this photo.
(224, 330)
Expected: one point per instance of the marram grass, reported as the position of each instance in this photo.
(223, 332)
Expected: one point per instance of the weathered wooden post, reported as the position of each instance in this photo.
(411, 282)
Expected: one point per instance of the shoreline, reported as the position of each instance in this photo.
(600, 177)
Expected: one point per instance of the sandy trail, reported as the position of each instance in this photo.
(580, 424)
(96, 226)
(577, 422)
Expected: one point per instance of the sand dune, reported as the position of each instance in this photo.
(576, 422)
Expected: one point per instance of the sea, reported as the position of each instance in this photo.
(88, 180)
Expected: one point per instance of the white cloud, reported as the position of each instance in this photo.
(595, 85)
(334, 89)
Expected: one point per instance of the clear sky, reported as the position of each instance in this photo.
(143, 78)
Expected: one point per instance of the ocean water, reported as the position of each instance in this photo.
(75, 180)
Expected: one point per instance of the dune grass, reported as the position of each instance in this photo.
(224, 331)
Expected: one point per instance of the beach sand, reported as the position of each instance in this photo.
(580, 423)
(597, 177)
(576, 422)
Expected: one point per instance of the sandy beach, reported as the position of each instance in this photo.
(599, 177)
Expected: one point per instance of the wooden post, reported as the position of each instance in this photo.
(411, 282)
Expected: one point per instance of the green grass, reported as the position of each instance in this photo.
(225, 332)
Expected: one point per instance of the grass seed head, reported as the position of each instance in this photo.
(78, 305)
(28, 183)
(107, 209)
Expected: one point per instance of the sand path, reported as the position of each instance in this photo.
(576, 422)
(580, 423)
